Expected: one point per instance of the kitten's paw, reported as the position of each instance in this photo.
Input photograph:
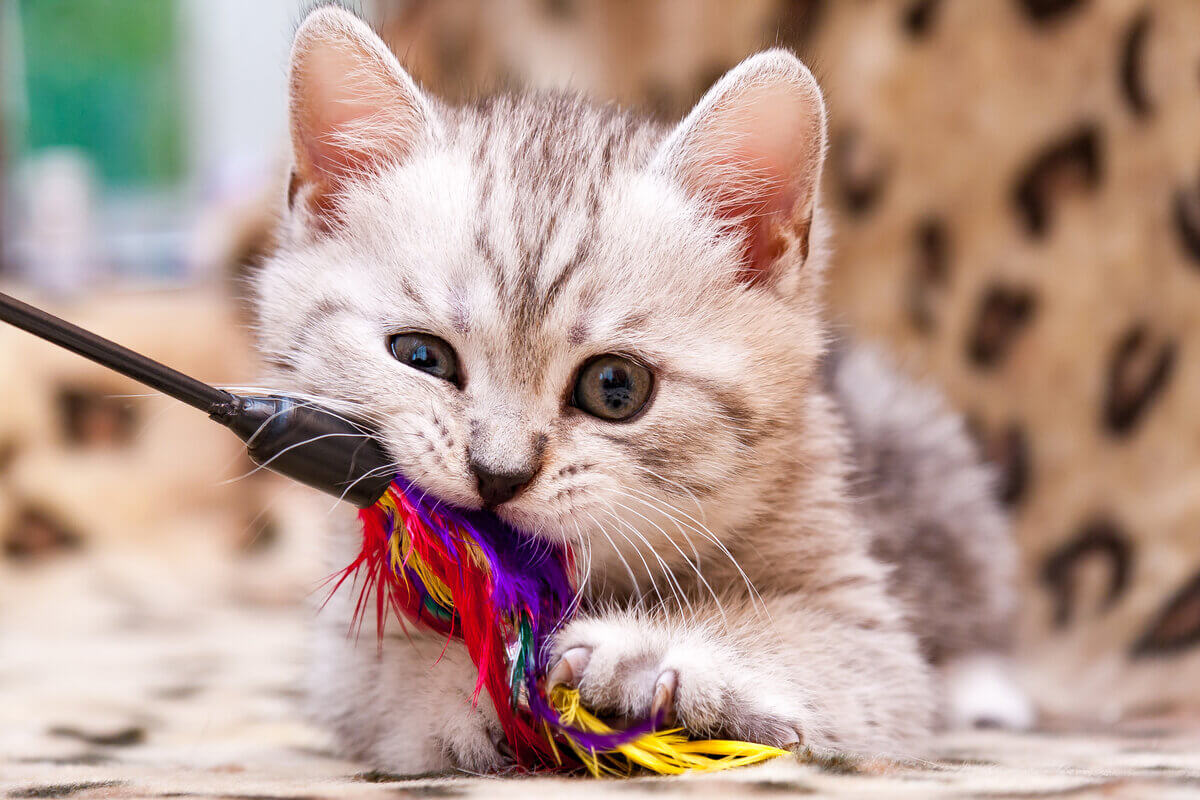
(459, 745)
(981, 692)
(631, 672)
(478, 749)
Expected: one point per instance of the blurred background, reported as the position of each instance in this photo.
(1016, 189)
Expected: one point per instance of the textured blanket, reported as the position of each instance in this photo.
(117, 682)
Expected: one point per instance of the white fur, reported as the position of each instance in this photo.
(981, 691)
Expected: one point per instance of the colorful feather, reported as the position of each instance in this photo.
(469, 576)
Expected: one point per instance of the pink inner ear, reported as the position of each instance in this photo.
(353, 108)
(755, 157)
(755, 193)
(329, 111)
(351, 113)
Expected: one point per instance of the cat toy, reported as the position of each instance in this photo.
(460, 572)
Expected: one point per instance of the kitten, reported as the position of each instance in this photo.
(611, 334)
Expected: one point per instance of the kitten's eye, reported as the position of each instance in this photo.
(426, 353)
(612, 387)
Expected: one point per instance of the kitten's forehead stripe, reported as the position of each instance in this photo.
(529, 304)
(460, 315)
(483, 247)
(569, 268)
(558, 156)
(313, 319)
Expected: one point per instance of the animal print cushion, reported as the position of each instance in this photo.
(1030, 243)
(1016, 185)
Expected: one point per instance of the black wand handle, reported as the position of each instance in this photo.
(109, 354)
(295, 438)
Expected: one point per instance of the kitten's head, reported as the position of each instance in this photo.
(598, 327)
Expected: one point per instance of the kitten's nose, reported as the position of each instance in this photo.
(500, 487)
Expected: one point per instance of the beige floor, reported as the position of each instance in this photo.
(121, 681)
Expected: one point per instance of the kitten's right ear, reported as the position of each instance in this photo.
(752, 150)
(354, 110)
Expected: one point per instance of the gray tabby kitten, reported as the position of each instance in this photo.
(611, 334)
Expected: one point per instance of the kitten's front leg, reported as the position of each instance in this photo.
(404, 704)
(801, 676)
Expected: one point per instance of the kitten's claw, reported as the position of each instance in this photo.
(569, 668)
(662, 709)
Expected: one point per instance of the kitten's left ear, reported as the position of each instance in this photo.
(752, 149)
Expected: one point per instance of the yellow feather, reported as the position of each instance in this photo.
(667, 752)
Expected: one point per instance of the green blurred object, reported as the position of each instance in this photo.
(103, 76)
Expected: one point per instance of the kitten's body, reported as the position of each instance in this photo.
(766, 548)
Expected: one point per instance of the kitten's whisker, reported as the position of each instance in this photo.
(386, 468)
(695, 566)
(699, 507)
(688, 539)
(672, 581)
(425, 493)
(754, 594)
(666, 508)
(703, 530)
(636, 551)
(634, 584)
(308, 400)
(586, 541)
(583, 579)
(257, 431)
(666, 512)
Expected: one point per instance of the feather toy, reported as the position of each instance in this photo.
(462, 573)
(469, 576)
